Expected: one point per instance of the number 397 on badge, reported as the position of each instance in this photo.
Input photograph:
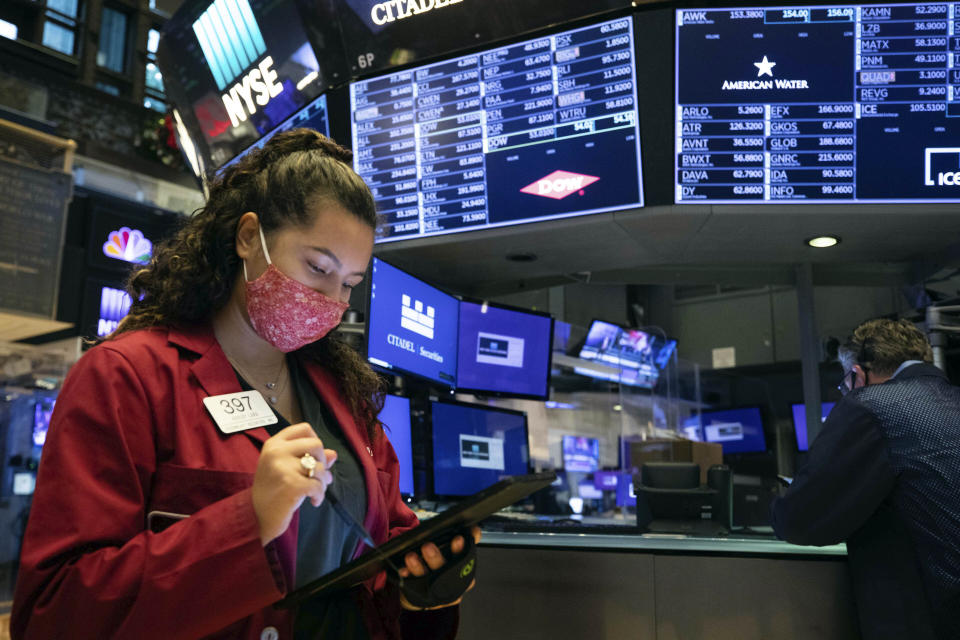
(240, 411)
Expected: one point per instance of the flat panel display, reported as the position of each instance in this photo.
(395, 417)
(639, 355)
(737, 430)
(378, 35)
(242, 67)
(581, 454)
(838, 103)
(542, 129)
(503, 351)
(475, 446)
(313, 116)
(411, 326)
(800, 422)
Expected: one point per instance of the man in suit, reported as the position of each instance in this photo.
(884, 476)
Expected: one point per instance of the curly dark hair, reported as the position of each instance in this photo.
(191, 275)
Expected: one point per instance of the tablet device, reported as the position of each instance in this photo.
(439, 530)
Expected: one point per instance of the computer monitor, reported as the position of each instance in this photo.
(581, 454)
(411, 326)
(395, 417)
(504, 351)
(800, 422)
(474, 446)
(532, 131)
(737, 430)
(639, 356)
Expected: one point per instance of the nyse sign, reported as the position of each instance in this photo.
(256, 88)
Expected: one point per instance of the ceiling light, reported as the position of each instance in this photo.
(823, 242)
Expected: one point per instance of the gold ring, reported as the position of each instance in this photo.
(309, 464)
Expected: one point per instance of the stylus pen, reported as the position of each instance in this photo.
(358, 528)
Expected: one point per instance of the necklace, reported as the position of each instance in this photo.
(274, 386)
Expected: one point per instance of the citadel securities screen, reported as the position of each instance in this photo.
(503, 351)
(542, 129)
(412, 326)
(816, 104)
(475, 446)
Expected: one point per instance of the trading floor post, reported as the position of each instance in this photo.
(809, 349)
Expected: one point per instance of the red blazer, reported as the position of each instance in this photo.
(130, 436)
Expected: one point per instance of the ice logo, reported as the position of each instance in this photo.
(559, 184)
(940, 169)
(128, 245)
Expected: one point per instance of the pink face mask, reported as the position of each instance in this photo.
(286, 313)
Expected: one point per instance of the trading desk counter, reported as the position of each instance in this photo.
(573, 585)
(734, 544)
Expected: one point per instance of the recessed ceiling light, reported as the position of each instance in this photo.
(823, 242)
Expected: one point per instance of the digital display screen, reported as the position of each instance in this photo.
(41, 423)
(542, 129)
(313, 116)
(395, 417)
(503, 351)
(475, 446)
(800, 422)
(581, 454)
(638, 354)
(737, 430)
(818, 104)
(412, 326)
(242, 66)
(114, 305)
(378, 35)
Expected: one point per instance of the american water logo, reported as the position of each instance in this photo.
(764, 68)
(946, 158)
(231, 42)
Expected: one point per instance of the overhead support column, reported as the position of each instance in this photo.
(809, 349)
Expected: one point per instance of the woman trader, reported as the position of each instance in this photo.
(157, 514)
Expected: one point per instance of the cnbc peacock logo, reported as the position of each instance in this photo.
(128, 245)
(234, 49)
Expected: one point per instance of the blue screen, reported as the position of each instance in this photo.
(313, 116)
(738, 430)
(800, 422)
(638, 354)
(581, 454)
(537, 130)
(395, 418)
(475, 446)
(842, 103)
(412, 326)
(503, 351)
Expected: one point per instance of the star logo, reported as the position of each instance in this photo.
(764, 67)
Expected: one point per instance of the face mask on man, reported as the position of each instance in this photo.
(287, 313)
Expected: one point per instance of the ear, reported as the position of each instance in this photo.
(861, 378)
(248, 236)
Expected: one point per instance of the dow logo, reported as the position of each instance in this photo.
(231, 42)
(559, 184)
(941, 166)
